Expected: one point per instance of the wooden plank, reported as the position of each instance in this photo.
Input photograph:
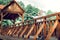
(58, 31)
(30, 31)
(12, 31)
(15, 31)
(35, 30)
(48, 15)
(52, 30)
(9, 32)
(1, 20)
(39, 31)
(23, 31)
(45, 27)
(5, 31)
(19, 31)
(22, 18)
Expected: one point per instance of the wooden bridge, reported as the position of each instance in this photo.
(35, 29)
(31, 29)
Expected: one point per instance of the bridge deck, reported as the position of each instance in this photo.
(5, 37)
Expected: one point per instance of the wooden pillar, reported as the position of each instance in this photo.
(30, 31)
(39, 30)
(44, 27)
(58, 28)
(1, 22)
(35, 28)
(53, 28)
(50, 26)
(1, 19)
(22, 18)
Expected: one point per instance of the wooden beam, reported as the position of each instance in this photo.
(39, 31)
(48, 15)
(45, 27)
(35, 30)
(9, 31)
(5, 14)
(23, 31)
(20, 29)
(15, 31)
(30, 31)
(50, 25)
(12, 31)
(1, 19)
(22, 18)
(52, 30)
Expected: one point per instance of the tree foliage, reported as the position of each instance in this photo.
(29, 12)
(7, 22)
(4, 2)
(49, 12)
(21, 4)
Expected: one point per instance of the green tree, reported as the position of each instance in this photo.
(49, 12)
(4, 2)
(27, 17)
(28, 9)
(29, 12)
(21, 4)
(6, 23)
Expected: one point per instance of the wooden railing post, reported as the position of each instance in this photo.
(35, 28)
(53, 28)
(50, 25)
(45, 27)
(26, 27)
(1, 21)
(31, 29)
(58, 28)
(15, 30)
(39, 30)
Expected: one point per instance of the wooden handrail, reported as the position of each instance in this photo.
(39, 18)
(52, 30)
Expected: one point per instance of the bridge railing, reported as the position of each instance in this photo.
(40, 18)
(42, 26)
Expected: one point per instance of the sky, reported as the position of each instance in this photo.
(45, 5)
